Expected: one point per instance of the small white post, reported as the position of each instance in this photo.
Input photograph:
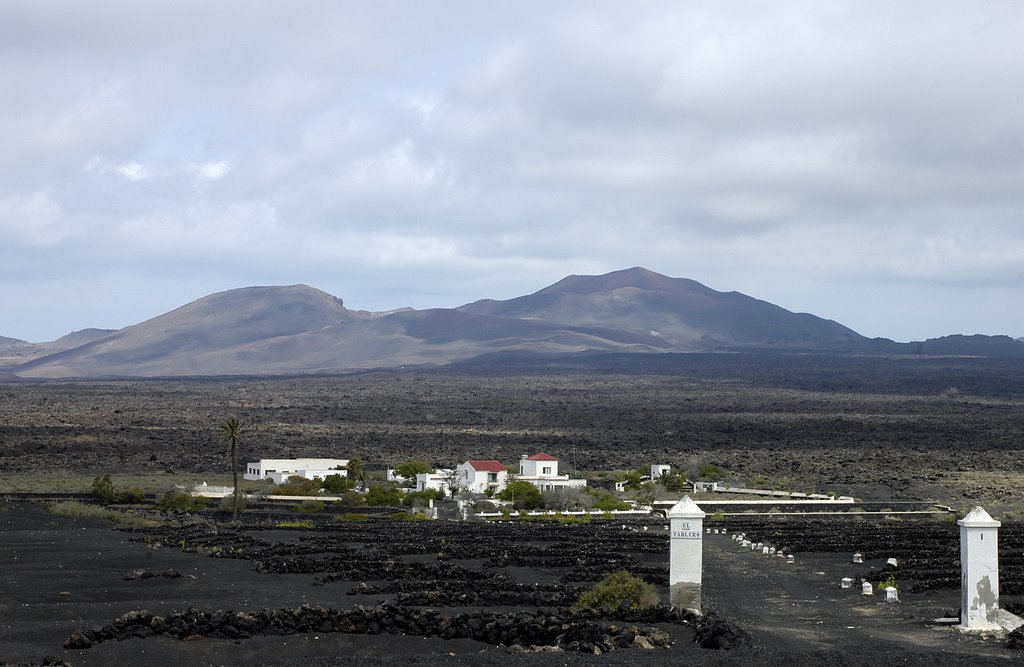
(979, 571)
(686, 556)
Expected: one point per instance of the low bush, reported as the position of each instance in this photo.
(608, 502)
(617, 589)
(297, 525)
(180, 501)
(384, 496)
(310, 507)
(80, 510)
(227, 503)
(410, 516)
(409, 499)
(298, 486)
(352, 516)
(104, 490)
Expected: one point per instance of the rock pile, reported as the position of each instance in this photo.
(591, 631)
(1016, 639)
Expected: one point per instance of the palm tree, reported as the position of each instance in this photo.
(232, 428)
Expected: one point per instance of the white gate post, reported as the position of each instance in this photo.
(686, 559)
(979, 571)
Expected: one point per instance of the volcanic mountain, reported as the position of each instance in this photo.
(297, 329)
(683, 313)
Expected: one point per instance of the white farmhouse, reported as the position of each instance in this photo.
(659, 469)
(541, 470)
(479, 476)
(439, 480)
(279, 470)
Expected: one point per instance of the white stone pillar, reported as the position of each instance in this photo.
(686, 557)
(979, 571)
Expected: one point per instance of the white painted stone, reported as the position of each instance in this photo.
(892, 595)
(686, 554)
(764, 550)
(867, 589)
(891, 561)
(771, 551)
(790, 558)
(709, 531)
(846, 582)
(979, 571)
(858, 558)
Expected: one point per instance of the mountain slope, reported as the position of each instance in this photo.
(260, 330)
(178, 342)
(684, 313)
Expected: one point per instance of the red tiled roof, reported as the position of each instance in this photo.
(486, 466)
(541, 457)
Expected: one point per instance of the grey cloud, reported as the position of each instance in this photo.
(430, 154)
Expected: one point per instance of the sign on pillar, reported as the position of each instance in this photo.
(979, 571)
(686, 543)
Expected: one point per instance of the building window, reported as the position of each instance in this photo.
(547, 470)
(492, 477)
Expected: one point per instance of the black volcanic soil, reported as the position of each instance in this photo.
(885, 430)
(901, 428)
(60, 575)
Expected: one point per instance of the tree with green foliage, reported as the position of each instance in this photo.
(409, 469)
(633, 480)
(297, 485)
(357, 471)
(619, 588)
(409, 499)
(103, 489)
(336, 484)
(607, 502)
(232, 428)
(671, 481)
(522, 495)
(181, 501)
(384, 495)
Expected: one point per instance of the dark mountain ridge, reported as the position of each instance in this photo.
(300, 329)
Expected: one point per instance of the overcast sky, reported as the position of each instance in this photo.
(862, 161)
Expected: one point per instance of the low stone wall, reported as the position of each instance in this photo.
(588, 631)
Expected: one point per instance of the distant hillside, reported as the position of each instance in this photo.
(683, 313)
(294, 329)
(14, 351)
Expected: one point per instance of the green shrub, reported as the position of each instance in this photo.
(523, 495)
(103, 489)
(297, 525)
(310, 507)
(409, 499)
(608, 502)
(180, 501)
(227, 503)
(336, 484)
(384, 495)
(131, 496)
(618, 588)
(80, 510)
(410, 516)
(298, 486)
(352, 516)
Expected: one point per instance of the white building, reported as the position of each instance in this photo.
(659, 469)
(541, 470)
(439, 480)
(479, 476)
(279, 470)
